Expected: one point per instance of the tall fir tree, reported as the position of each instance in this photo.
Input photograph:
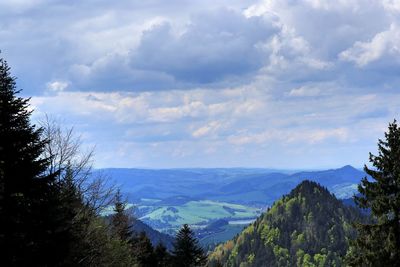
(27, 198)
(143, 252)
(74, 219)
(122, 227)
(121, 222)
(187, 251)
(378, 243)
(162, 257)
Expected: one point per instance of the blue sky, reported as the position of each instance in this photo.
(165, 84)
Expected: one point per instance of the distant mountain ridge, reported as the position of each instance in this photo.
(237, 185)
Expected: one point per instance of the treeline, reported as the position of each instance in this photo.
(50, 210)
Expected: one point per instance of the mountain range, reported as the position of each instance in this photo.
(236, 185)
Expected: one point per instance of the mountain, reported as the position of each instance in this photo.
(307, 227)
(236, 185)
(266, 188)
(166, 183)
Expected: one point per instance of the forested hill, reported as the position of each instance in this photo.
(307, 227)
(154, 236)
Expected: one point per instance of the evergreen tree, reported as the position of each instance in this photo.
(143, 252)
(378, 243)
(139, 244)
(75, 218)
(187, 251)
(121, 222)
(162, 257)
(27, 196)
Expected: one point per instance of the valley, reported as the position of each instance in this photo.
(216, 203)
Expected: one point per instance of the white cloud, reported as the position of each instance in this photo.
(213, 46)
(386, 43)
(208, 129)
(335, 5)
(200, 125)
(57, 86)
(305, 91)
(340, 134)
(392, 5)
(313, 136)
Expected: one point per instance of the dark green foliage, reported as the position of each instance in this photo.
(28, 201)
(86, 240)
(308, 227)
(162, 257)
(143, 253)
(187, 252)
(378, 243)
(73, 219)
(154, 236)
(98, 248)
(121, 222)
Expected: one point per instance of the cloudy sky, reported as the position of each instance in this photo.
(200, 83)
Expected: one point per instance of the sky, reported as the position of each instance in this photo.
(197, 83)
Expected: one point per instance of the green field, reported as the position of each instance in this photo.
(166, 218)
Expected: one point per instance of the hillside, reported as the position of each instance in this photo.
(155, 236)
(307, 227)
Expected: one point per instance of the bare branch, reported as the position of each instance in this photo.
(64, 149)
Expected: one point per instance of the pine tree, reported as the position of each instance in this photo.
(26, 194)
(121, 222)
(162, 257)
(75, 218)
(139, 244)
(143, 252)
(378, 243)
(187, 251)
